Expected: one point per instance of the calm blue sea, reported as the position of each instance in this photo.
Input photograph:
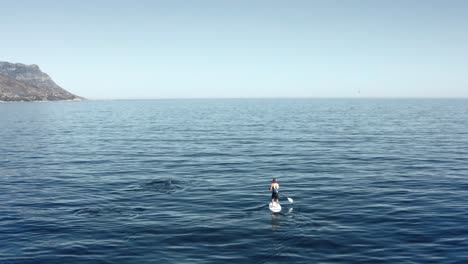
(186, 181)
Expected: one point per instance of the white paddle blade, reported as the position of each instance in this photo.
(290, 200)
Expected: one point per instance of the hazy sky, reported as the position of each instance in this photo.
(166, 49)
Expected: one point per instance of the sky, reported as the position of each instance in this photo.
(242, 48)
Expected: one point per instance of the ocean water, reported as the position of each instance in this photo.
(186, 181)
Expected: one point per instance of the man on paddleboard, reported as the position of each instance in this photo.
(274, 188)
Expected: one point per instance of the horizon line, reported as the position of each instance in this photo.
(253, 98)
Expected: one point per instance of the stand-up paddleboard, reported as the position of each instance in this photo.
(275, 208)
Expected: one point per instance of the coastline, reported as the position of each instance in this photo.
(45, 101)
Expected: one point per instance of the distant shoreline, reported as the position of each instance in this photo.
(46, 101)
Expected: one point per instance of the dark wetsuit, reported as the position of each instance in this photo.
(274, 193)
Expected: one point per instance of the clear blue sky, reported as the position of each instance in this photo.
(167, 49)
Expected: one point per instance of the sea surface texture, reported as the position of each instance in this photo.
(186, 181)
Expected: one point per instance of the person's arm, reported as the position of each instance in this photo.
(271, 186)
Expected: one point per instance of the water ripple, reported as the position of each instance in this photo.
(186, 181)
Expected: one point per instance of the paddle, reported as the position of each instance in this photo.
(289, 198)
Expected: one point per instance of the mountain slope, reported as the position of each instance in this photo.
(20, 82)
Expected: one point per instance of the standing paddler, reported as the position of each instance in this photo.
(274, 188)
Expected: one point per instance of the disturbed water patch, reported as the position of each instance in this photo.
(162, 185)
(109, 211)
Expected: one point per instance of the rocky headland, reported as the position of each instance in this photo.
(27, 83)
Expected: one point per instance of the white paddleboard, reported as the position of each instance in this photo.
(275, 208)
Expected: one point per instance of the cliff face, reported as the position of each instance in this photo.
(20, 82)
